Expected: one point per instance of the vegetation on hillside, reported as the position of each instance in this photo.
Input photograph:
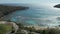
(32, 29)
(29, 30)
(6, 9)
(5, 28)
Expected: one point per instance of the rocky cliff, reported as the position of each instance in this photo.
(4, 9)
(57, 6)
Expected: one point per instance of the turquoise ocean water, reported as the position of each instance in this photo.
(41, 15)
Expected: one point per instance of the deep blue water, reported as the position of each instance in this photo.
(41, 15)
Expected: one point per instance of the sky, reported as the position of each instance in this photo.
(29, 1)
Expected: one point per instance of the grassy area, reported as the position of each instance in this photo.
(5, 28)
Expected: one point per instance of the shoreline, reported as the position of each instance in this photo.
(5, 9)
